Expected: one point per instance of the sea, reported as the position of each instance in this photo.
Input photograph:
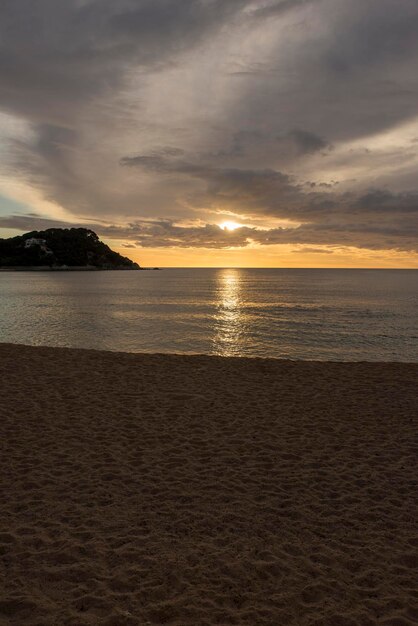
(310, 314)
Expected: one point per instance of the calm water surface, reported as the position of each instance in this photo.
(300, 314)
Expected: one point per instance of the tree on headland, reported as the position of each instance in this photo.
(58, 247)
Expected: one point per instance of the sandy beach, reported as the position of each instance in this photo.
(193, 490)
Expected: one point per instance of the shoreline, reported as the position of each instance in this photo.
(42, 268)
(193, 489)
(203, 355)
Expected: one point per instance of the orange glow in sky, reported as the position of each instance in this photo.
(269, 256)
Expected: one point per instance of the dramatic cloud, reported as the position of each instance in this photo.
(166, 234)
(164, 117)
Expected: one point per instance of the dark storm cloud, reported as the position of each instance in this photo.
(378, 217)
(340, 70)
(273, 193)
(63, 62)
(361, 54)
(76, 71)
(296, 142)
(55, 54)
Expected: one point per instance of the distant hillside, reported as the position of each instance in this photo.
(60, 248)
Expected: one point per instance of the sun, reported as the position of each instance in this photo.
(229, 225)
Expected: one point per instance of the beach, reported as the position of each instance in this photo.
(147, 489)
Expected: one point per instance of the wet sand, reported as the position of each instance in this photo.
(193, 490)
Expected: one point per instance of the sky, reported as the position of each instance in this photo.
(157, 122)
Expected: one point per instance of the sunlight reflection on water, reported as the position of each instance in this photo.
(228, 318)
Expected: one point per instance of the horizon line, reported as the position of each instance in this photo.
(248, 267)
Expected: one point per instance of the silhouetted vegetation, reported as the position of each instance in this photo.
(57, 247)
